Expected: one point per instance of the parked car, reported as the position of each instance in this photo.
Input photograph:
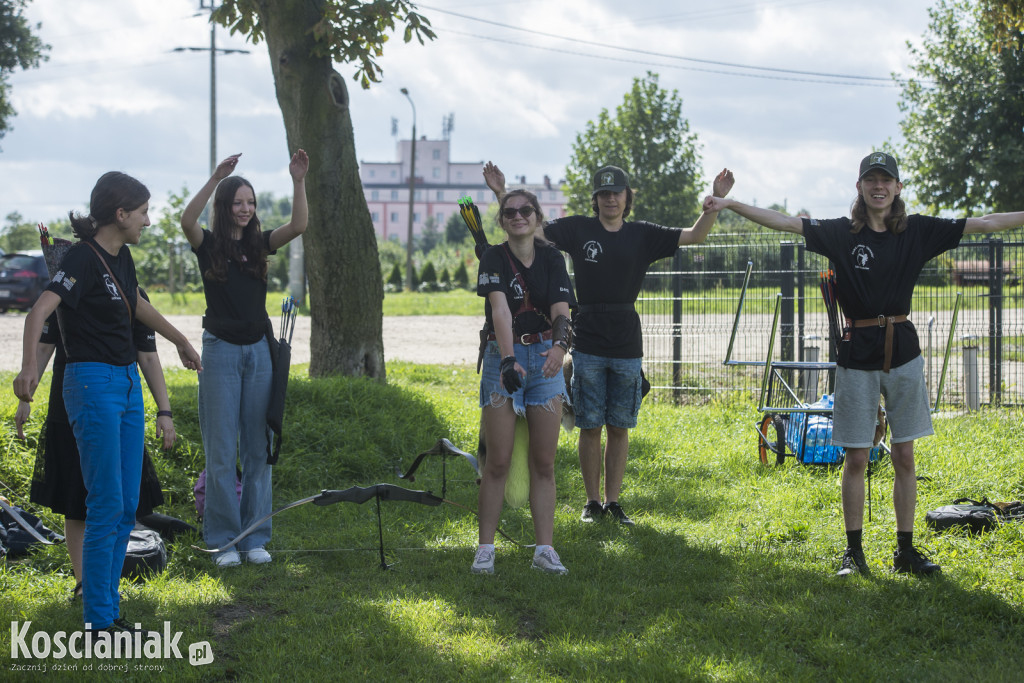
(23, 277)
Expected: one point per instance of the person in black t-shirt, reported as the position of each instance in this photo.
(877, 255)
(528, 302)
(234, 392)
(98, 297)
(610, 257)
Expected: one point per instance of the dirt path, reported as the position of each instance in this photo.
(447, 340)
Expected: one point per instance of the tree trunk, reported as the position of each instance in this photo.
(346, 292)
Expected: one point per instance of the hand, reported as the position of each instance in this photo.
(165, 429)
(25, 384)
(510, 374)
(553, 362)
(226, 167)
(494, 178)
(189, 358)
(723, 183)
(299, 165)
(21, 416)
(712, 203)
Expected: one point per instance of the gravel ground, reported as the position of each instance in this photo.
(446, 340)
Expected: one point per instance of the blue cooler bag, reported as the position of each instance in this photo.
(809, 436)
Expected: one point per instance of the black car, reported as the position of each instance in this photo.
(23, 277)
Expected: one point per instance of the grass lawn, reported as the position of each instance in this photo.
(455, 302)
(728, 574)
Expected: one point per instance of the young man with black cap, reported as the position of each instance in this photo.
(877, 255)
(610, 257)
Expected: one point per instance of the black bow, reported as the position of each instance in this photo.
(443, 447)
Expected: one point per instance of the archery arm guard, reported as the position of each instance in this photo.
(561, 333)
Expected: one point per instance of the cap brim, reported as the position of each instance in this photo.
(612, 188)
(878, 168)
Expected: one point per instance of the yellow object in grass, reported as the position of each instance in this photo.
(517, 486)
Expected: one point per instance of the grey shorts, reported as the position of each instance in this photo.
(856, 404)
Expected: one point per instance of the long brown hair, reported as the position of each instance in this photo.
(895, 221)
(248, 252)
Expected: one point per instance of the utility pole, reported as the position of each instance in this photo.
(412, 192)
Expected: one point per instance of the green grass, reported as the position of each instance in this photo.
(455, 302)
(727, 575)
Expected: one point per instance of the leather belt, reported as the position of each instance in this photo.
(526, 339)
(885, 321)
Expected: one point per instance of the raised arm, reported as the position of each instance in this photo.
(190, 216)
(766, 217)
(994, 222)
(721, 186)
(495, 179)
(300, 212)
(151, 318)
(149, 364)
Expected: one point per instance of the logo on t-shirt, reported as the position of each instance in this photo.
(592, 250)
(862, 257)
(517, 290)
(488, 278)
(111, 287)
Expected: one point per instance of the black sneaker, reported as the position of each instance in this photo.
(616, 511)
(592, 511)
(853, 563)
(913, 561)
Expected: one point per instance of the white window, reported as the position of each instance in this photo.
(437, 154)
(436, 172)
(394, 216)
(372, 173)
(394, 194)
(416, 217)
(375, 217)
(440, 195)
(439, 217)
(374, 195)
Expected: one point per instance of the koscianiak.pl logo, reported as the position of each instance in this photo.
(42, 651)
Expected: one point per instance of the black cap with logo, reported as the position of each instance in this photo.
(610, 179)
(882, 162)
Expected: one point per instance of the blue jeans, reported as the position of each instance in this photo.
(104, 404)
(605, 391)
(234, 390)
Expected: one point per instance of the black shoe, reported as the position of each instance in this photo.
(616, 511)
(592, 511)
(853, 563)
(912, 561)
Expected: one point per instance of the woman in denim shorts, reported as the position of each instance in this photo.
(528, 300)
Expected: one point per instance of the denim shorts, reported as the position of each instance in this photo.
(605, 391)
(537, 390)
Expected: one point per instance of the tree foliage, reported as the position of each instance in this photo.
(1007, 17)
(964, 115)
(648, 138)
(304, 39)
(19, 49)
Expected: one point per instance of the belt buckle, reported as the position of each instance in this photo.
(882, 320)
(522, 339)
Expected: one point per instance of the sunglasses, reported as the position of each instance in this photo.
(525, 211)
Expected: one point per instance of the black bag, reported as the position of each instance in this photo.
(972, 515)
(16, 540)
(146, 554)
(281, 359)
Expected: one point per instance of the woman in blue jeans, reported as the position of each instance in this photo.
(528, 298)
(97, 294)
(235, 392)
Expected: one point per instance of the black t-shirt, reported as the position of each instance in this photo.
(875, 275)
(547, 282)
(236, 309)
(143, 337)
(609, 268)
(97, 325)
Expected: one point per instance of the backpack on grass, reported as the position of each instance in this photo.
(972, 515)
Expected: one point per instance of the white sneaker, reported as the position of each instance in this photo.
(483, 562)
(229, 559)
(547, 561)
(257, 556)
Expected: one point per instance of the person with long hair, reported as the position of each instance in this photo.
(57, 476)
(878, 254)
(610, 257)
(528, 300)
(234, 392)
(97, 294)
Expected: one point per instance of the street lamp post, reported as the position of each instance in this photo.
(412, 191)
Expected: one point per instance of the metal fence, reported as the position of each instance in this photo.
(688, 305)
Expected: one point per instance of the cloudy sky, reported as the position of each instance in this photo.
(790, 94)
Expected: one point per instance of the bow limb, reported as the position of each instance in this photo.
(24, 524)
(360, 494)
(252, 527)
(442, 447)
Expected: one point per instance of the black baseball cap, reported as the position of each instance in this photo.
(611, 179)
(881, 161)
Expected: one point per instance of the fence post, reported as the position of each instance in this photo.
(787, 285)
(801, 267)
(995, 321)
(972, 397)
(677, 325)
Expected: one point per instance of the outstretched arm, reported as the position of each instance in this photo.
(300, 212)
(495, 179)
(190, 216)
(766, 217)
(994, 222)
(151, 318)
(721, 186)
